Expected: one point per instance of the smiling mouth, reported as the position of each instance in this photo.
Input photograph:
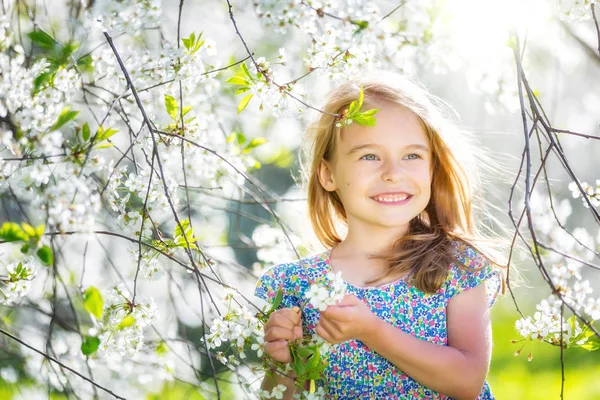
(392, 198)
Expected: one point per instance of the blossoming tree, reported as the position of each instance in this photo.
(131, 134)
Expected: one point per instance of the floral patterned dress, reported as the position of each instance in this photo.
(356, 372)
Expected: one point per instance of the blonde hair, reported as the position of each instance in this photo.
(426, 251)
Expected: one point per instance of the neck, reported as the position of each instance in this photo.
(361, 241)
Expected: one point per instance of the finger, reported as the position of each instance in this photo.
(335, 313)
(278, 351)
(330, 326)
(285, 318)
(324, 332)
(348, 300)
(298, 332)
(275, 333)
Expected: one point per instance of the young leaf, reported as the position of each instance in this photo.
(186, 109)
(244, 102)
(364, 120)
(245, 69)
(85, 132)
(103, 146)
(89, 345)
(162, 348)
(171, 106)
(356, 104)
(45, 255)
(93, 302)
(278, 299)
(242, 90)
(42, 39)
(255, 142)
(39, 230)
(65, 116)
(28, 229)
(11, 232)
(238, 80)
(126, 322)
(304, 352)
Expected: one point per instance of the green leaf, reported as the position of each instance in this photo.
(590, 345)
(278, 299)
(102, 135)
(11, 232)
(171, 106)
(356, 104)
(255, 142)
(305, 352)
(25, 248)
(238, 80)
(42, 39)
(162, 348)
(126, 322)
(313, 361)
(182, 228)
(298, 366)
(46, 77)
(242, 90)
(244, 102)
(89, 345)
(85, 132)
(93, 302)
(245, 70)
(65, 116)
(365, 120)
(28, 229)
(186, 109)
(85, 63)
(103, 146)
(239, 138)
(39, 230)
(45, 255)
(361, 25)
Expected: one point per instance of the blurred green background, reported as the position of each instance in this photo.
(513, 377)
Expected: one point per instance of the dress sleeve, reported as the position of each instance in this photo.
(280, 276)
(470, 270)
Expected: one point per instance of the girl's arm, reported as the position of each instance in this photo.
(457, 370)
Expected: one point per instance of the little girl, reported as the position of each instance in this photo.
(415, 323)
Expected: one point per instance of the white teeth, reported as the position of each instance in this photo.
(391, 199)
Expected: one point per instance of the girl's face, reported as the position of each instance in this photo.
(382, 174)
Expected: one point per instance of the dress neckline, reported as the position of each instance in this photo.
(329, 268)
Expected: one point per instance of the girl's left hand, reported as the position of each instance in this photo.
(350, 319)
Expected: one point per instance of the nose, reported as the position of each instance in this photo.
(392, 171)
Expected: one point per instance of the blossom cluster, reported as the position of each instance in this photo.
(547, 323)
(127, 16)
(322, 296)
(121, 331)
(240, 328)
(576, 9)
(15, 282)
(593, 193)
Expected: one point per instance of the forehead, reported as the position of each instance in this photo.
(396, 126)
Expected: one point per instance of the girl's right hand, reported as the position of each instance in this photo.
(283, 325)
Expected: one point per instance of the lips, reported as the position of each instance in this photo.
(395, 197)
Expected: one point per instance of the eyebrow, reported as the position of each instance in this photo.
(371, 145)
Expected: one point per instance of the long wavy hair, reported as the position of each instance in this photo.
(426, 251)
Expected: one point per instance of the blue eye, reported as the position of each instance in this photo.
(369, 157)
(410, 156)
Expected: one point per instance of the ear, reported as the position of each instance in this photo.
(326, 178)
